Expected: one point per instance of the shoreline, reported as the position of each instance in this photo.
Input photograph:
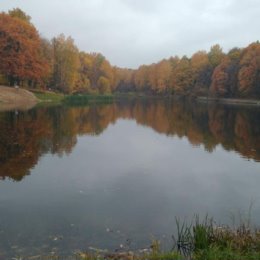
(22, 99)
(230, 101)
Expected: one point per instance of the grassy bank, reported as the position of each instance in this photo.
(58, 98)
(86, 99)
(204, 240)
(49, 96)
(197, 240)
(230, 101)
(211, 254)
(83, 99)
(201, 241)
(43, 96)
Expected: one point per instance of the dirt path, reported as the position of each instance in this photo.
(12, 98)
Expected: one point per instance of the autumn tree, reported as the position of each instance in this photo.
(94, 72)
(46, 53)
(249, 73)
(215, 55)
(174, 61)
(65, 64)
(107, 72)
(83, 83)
(201, 71)
(93, 66)
(159, 76)
(234, 55)
(103, 85)
(20, 14)
(220, 79)
(141, 78)
(21, 60)
(124, 79)
(183, 79)
(97, 60)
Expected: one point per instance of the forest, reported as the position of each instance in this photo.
(33, 62)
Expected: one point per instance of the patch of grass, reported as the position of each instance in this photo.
(203, 233)
(204, 240)
(216, 253)
(49, 96)
(86, 99)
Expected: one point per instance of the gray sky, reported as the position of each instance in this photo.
(134, 32)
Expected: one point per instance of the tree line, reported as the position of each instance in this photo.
(31, 61)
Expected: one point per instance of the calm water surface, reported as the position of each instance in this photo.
(104, 175)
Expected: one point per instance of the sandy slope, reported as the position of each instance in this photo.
(11, 98)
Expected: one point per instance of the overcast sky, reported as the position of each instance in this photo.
(134, 32)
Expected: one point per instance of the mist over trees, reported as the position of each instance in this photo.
(57, 64)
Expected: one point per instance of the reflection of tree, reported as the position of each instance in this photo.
(20, 137)
(24, 137)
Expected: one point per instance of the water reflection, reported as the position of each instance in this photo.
(26, 136)
(102, 174)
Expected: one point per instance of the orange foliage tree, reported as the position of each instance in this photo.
(202, 71)
(21, 60)
(220, 79)
(249, 73)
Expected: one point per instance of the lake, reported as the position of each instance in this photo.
(116, 175)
